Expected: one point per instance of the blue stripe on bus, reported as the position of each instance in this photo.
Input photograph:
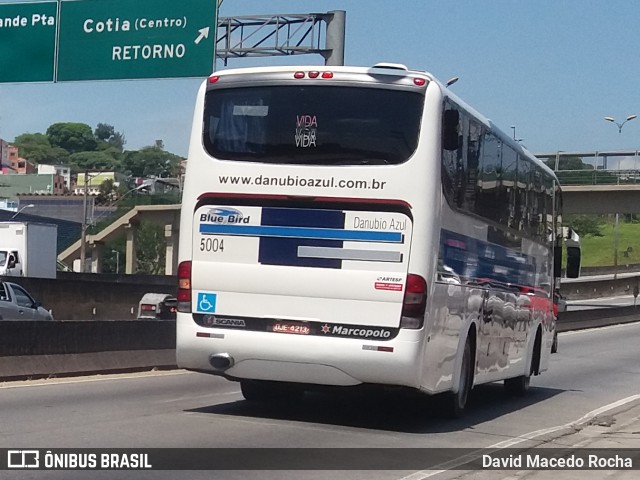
(284, 250)
(302, 232)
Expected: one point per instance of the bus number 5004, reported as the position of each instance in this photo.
(211, 245)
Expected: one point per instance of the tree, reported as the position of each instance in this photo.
(586, 225)
(568, 163)
(107, 192)
(94, 161)
(109, 137)
(36, 148)
(151, 161)
(150, 248)
(73, 137)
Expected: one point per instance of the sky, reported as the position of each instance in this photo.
(553, 69)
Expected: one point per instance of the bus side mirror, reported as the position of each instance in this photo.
(573, 262)
(557, 261)
(450, 139)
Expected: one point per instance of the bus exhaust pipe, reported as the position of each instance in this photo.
(221, 361)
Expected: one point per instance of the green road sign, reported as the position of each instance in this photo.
(27, 41)
(121, 39)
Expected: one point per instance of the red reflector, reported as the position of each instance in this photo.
(376, 348)
(214, 79)
(314, 74)
(203, 334)
(419, 81)
(184, 286)
(184, 271)
(327, 74)
(298, 75)
(415, 296)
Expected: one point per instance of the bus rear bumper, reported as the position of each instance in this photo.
(301, 359)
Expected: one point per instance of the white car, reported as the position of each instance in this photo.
(17, 304)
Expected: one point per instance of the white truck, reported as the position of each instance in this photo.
(28, 249)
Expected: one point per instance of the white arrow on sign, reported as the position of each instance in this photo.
(204, 33)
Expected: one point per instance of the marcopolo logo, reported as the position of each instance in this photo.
(356, 332)
(223, 215)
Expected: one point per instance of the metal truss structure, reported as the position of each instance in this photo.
(280, 35)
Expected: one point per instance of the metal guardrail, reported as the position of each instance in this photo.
(599, 177)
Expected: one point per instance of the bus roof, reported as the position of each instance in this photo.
(391, 70)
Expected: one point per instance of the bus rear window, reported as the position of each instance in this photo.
(312, 125)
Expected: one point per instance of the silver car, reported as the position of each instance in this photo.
(17, 304)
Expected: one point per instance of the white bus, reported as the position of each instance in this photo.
(344, 226)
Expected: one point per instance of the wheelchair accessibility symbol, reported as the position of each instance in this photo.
(207, 302)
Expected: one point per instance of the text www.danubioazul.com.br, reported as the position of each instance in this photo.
(291, 181)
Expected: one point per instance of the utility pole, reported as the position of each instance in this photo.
(83, 237)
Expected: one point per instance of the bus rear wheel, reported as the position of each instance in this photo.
(456, 402)
(520, 385)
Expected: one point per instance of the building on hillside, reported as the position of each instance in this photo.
(9, 204)
(95, 179)
(13, 185)
(63, 171)
(17, 164)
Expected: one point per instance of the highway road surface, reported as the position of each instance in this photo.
(593, 370)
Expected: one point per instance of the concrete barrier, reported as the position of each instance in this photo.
(89, 296)
(597, 317)
(586, 288)
(50, 349)
(45, 349)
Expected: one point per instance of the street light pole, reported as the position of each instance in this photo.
(83, 239)
(31, 205)
(615, 228)
(620, 125)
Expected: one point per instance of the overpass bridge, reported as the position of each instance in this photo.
(600, 189)
(601, 199)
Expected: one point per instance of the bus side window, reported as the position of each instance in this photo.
(451, 139)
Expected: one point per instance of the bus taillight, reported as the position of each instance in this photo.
(415, 302)
(184, 287)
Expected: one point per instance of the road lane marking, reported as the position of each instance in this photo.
(93, 378)
(453, 464)
(598, 329)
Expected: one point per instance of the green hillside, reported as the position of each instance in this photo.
(599, 251)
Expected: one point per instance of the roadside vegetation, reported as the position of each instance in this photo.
(103, 148)
(597, 235)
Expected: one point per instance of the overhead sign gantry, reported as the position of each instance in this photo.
(69, 40)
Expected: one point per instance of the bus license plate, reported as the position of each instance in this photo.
(295, 328)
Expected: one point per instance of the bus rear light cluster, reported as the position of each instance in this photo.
(313, 74)
(184, 287)
(415, 302)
